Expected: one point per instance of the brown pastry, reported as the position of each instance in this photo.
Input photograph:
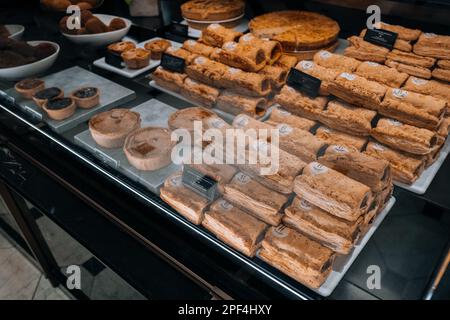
(173, 81)
(300, 257)
(444, 64)
(333, 192)
(235, 227)
(187, 118)
(182, 53)
(272, 49)
(382, 74)
(157, 47)
(86, 98)
(186, 202)
(246, 83)
(409, 69)
(235, 104)
(28, 87)
(365, 51)
(324, 74)
(42, 96)
(117, 24)
(212, 10)
(136, 58)
(405, 137)
(404, 33)
(245, 122)
(59, 108)
(434, 155)
(207, 71)
(286, 62)
(406, 168)
(337, 234)
(216, 35)
(94, 26)
(149, 148)
(280, 116)
(199, 93)
(430, 87)
(374, 173)
(441, 74)
(245, 57)
(122, 46)
(340, 138)
(433, 45)
(110, 128)
(198, 48)
(256, 199)
(444, 128)
(411, 59)
(276, 75)
(334, 61)
(299, 104)
(399, 44)
(357, 90)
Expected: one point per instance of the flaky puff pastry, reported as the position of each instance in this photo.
(168, 79)
(276, 75)
(234, 103)
(246, 83)
(365, 51)
(199, 93)
(332, 136)
(286, 62)
(326, 75)
(198, 48)
(409, 69)
(431, 87)
(335, 61)
(441, 74)
(382, 74)
(278, 116)
(272, 49)
(411, 59)
(433, 45)
(216, 35)
(245, 57)
(444, 64)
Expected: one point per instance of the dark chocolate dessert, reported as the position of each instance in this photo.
(48, 94)
(29, 83)
(59, 103)
(85, 92)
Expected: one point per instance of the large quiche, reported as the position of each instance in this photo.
(296, 30)
(212, 10)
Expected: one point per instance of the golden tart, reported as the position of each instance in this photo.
(149, 148)
(86, 98)
(42, 96)
(184, 118)
(157, 47)
(28, 87)
(212, 10)
(120, 47)
(136, 58)
(110, 128)
(59, 108)
(296, 30)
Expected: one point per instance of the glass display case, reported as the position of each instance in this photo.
(99, 201)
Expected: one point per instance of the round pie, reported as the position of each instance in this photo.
(136, 58)
(296, 30)
(28, 87)
(59, 108)
(86, 98)
(212, 10)
(109, 129)
(149, 148)
(120, 47)
(157, 47)
(184, 118)
(42, 96)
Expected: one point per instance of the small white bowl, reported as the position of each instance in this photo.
(101, 39)
(31, 69)
(15, 31)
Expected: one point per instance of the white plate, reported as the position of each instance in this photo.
(217, 21)
(15, 31)
(195, 33)
(131, 73)
(30, 69)
(101, 39)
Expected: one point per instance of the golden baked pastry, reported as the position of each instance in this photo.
(336, 61)
(216, 35)
(122, 46)
(157, 47)
(199, 93)
(365, 51)
(340, 138)
(279, 116)
(136, 58)
(430, 87)
(236, 103)
(441, 74)
(409, 69)
(59, 108)
(382, 74)
(212, 10)
(168, 79)
(198, 48)
(86, 98)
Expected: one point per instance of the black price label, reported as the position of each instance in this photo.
(114, 59)
(179, 29)
(172, 63)
(381, 37)
(198, 182)
(304, 83)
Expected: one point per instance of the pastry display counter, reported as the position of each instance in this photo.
(270, 245)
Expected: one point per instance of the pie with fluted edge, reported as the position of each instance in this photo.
(212, 10)
(296, 30)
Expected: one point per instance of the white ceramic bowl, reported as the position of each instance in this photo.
(15, 31)
(101, 39)
(30, 69)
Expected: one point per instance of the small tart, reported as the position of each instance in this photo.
(42, 96)
(120, 47)
(86, 98)
(136, 58)
(157, 47)
(149, 148)
(110, 128)
(28, 87)
(59, 108)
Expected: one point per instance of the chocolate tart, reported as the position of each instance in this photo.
(109, 129)
(157, 47)
(59, 108)
(28, 87)
(86, 98)
(42, 96)
(136, 58)
(149, 149)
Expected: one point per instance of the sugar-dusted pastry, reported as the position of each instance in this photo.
(234, 103)
(186, 202)
(182, 53)
(59, 108)
(433, 45)
(110, 128)
(168, 79)
(334, 61)
(409, 69)
(324, 74)
(42, 96)
(245, 57)
(406, 168)
(431, 87)
(441, 74)
(342, 116)
(235, 227)
(278, 116)
(402, 32)
(86, 98)
(276, 75)
(149, 148)
(335, 233)
(372, 172)
(443, 64)
(251, 196)
(332, 136)
(333, 191)
(199, 93)
(28, 87)
(300, 257)
(286, 62)
(411, 59)
(382, 74)
(413, 108)
(198, 48)
(357, 90)
(246, 83)
(216, 35)
(399, 44)
(365, 51)
(272, 49)
(405, 137)
(136, 58)
(299, 104)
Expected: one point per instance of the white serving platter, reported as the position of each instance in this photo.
(131, 73)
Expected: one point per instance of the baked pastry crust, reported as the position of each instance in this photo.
(286, 62)
(382, 74)
(235, 104)
(169, 80)
(324, 74)
(60, 113)
(279, 116)
(157, 47)
(444, 64)
(122, 46)
(409, 69)
(340, 138)
(86, 98)
(199, 93)
(28, 87)
(441, 74)
(433, 45)
(184, 118)
(110, 128)
(430, 87)
(42, 96)
(136, 58)
(334, 61)
(235, 227)
(276, 75)
(212, 10)
(411, 59)
(216, 35)
(242, 56)
(272, 49)
(301, 258)
(198, 48)
(444, 128)
(365, 51)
